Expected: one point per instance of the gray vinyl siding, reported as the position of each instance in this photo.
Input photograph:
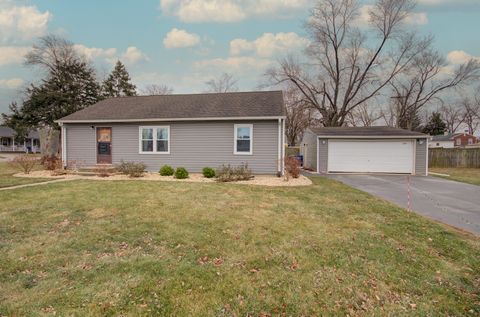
(193, 145)
(323, 155)
(81, 145)
(309, 150)
(421, 157)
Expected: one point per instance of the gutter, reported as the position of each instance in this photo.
(60, 121)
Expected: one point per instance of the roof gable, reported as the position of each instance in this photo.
(195, 106)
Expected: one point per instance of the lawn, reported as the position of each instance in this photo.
(7, 179)
(465, 175)
(100, 248)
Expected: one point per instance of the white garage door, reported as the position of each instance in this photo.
(370, 156)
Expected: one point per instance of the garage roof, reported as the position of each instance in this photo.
(366, 132)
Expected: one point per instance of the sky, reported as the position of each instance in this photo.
(184, 43)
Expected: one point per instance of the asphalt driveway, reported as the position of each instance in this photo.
(456, 204)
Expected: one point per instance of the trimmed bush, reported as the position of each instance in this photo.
(51, 163)
(132, 169)
(208, 172)
(292, 166)
(181, 173)
(167, 170)
(227, 173)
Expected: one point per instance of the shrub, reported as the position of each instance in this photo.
(243, 173)
(102, 171)
(167, 170)
(181, 173)
(132, 169)
(51, 162)
(208, 172)
(227, 173)
(25, 163)
(292, 166)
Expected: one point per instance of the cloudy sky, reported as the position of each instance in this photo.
(183, 43)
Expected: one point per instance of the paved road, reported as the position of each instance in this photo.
(456, 204)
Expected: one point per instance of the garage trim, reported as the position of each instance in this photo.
(415, 162)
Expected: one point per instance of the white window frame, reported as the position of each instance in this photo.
(155, 134)
(236, 126)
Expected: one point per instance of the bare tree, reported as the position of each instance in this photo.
(300, 115)
(453, 116)
(52, 52)
(471, 112)
(348, 65)
(421, 83)
(364, 115)
(224, 83)
(156, 90)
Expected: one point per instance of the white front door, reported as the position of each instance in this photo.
(371, 156)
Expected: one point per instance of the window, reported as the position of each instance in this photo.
(470, 141)
(155, 140)
(458, 141)
(243, 139)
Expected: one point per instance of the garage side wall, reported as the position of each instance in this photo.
(309, 150)
(323, 155)
(421, 157)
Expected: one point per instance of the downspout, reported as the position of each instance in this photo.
(283, 147)
(427, 160)
(279, 164)
(63, 135)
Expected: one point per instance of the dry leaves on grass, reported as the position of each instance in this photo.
(202, 260)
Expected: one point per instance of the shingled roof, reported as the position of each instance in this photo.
(359, 132)
(258, 104)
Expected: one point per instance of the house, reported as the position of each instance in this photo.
(8, 141)
(449, 141)
(192, 131)
(365, 150)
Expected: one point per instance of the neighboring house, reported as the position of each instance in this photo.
(449, 141)
(192, 131)
(365, 150)
(8, 144)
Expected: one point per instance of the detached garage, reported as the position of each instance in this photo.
(365, 150)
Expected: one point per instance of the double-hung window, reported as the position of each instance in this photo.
(155, 140)
(243, 141)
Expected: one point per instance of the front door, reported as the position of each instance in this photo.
(104, 145)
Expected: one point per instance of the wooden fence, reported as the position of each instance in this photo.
(454, 158)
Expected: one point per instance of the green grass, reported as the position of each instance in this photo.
(133, 248)
(465, 175)
(7, 179)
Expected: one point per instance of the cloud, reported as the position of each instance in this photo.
(22, 22)
(414, 18)
(269, 44)
(133, 55)
(94, 52)
(12, 83)
(12, 54)
(460, 57)
(191, 11)
(180, 38)
(443, 2)
(234, 64)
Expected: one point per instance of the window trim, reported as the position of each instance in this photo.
(242, 125)
(155, 139)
